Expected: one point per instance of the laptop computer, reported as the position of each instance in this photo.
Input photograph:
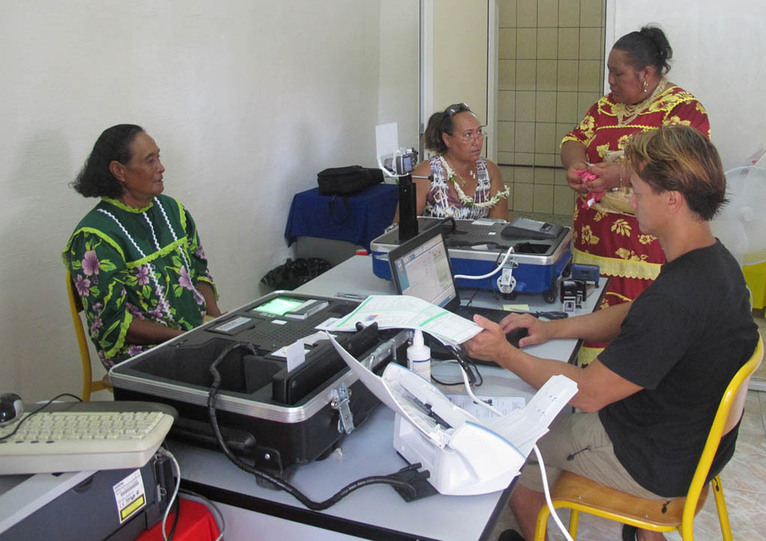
(421, 267)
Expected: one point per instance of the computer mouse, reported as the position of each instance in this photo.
(11, 407)
(516, 335)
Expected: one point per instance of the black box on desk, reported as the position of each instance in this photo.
(274, 417)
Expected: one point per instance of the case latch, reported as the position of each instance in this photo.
(340, 402)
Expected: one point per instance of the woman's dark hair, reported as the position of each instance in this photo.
(647, 47)
(95, 179)
(441, 123)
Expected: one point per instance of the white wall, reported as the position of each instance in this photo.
(460, 55)
(247, 100)
(718, 55)
(400, 68)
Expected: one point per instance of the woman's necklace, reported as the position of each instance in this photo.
(163, 303)
(464, 199)
(628, 113)
(455, 175)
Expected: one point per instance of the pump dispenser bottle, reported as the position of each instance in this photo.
(419, 356)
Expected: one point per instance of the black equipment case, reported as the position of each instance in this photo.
(273, 417)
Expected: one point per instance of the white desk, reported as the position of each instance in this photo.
(355, 276)
(372, 512)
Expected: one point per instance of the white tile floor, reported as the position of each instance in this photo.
(743, 479)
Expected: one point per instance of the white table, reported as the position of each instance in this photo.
(372, 512)
(354, 276)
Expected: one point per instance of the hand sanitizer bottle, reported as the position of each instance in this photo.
(419, 356)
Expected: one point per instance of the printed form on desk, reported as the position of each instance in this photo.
(406, 312)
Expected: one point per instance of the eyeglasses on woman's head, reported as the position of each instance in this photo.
(456, 108)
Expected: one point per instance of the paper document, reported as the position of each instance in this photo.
(524, 427)
(406, 312)
(295, 353)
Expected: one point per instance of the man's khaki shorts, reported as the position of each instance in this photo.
(577, 442)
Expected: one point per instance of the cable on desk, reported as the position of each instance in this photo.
(469, 302)
(38, 410)
(465, 377)
(469, 368)
(489, 274)
(276, 481)
(176, 518)
(551, 314)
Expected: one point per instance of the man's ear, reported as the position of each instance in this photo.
(675, 200)
(118, 170)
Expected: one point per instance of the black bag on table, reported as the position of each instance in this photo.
(295, 272)
(347, 180)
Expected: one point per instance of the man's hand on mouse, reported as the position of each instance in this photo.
(490, 344)
(535, 328)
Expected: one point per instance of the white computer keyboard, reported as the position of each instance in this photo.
(61, 441)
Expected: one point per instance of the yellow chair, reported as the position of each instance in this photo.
(580, 494)
(88, 384)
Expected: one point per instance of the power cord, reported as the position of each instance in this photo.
(276, 481)
(38, 410)
(176, 519)
(469, 302)
(468, 370)
(162, 451)
(547, 491)
(489, 274)
(539, 456)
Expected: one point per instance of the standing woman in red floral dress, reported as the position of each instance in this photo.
(606, 231)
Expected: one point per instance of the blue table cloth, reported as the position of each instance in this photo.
(358, 218)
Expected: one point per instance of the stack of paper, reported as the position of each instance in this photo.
(406, 312)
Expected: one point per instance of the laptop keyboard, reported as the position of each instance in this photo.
(489, 313)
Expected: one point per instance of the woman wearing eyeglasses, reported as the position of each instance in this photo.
(464, 185)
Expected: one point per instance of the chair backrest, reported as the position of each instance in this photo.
(729, 413)
(75, 305)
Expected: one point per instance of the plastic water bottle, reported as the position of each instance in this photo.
(419, 356)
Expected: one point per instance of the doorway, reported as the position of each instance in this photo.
(550, 71)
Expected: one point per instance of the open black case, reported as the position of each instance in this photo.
(273, 417)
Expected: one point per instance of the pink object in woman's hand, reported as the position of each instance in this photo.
(586, 175)
(594, 197)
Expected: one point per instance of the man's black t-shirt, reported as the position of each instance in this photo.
(683, 340)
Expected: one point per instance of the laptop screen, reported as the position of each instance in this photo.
(421, 268)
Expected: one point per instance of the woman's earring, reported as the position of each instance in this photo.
(645, 86)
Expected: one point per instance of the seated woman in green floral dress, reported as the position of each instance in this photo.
(135, 259)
